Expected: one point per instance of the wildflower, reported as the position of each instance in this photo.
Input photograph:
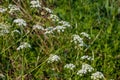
(81, 72)
(85, 34)
(86, 57)
(54, 17)
(53, 58)
(35, 4)
(2, 76)
(48, 10)
(85, 68)
(64, 23)
(97, 75)
(2, 10)
(16, 31)
(20, 22)
(13, 8)
(4, 29)
(38, 27)
(59, 28)
(69, 66)
(4, 26)
(49, 30)
(24, 45)
(78, 40)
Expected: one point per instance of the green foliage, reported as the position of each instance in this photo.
(100, 19)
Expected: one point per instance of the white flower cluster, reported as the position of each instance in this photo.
(69, 66)
(48, 10)
(53, 58)
(38, 27)
(35, 4)
(16, 31)
(24, 45)
(85, 68)
(59, 28)
(4, 29)
(64, 23)
(86, 57)
(2, 10)
(86, 35)
(13, 8)
(2, 76)
(78, 40)
(20, 22)
(97, 75)
(49, 30)
(54, 17)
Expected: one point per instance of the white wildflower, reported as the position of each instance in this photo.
(64, 23)
(85, 69)
(3, 32)
(85, 34)
(48, 10)
(38, 27)
(49, 30)
(20, 22)
(13, 8)
(86, 57)
(24, 45)
(35, 4)
(2, 10)
(2, 76)
(81, 72)
(78, 40)
(97, 75)
(59, 28)
(54, 17)
(17, 31)
(4, 29)
(53, 58)
(69, 66)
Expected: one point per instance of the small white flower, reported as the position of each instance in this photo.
(49, 30)
(53, 58)
(59, 28)
(13, 8)
(85, 69)
(35, 4)
(78, 40)
(81, 72)
(38, 27)
(54, 17)
(48, 10)
(2, 10)
(64, 23)
(85, 34)
(1, 75)
(4, 29)
(69, 66)
(17, 31)
(97, 75)
(86, 57)
(3, 32)
(24, 45)
(20, 22)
